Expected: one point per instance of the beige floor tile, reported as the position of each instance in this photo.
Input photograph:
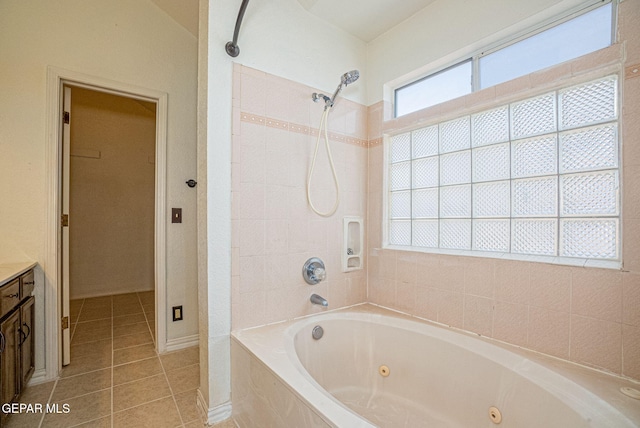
(157, 414)
(37, 393)
(229, 423)
(129, 319)
(74, 386)
(149, 308)
(127, 309)
(136, 370)
(94, 314)
(81, 409)
(91, 331)
(125, 330)
(147, 297)
(139, 392)
(184, 357)
(24, 420)
(86, 364)
(96, 423)
(125, 298)
(136, 353)
(184, 379)
(98, 301)
(91, 348)
(187, 407)
(132, 340)
(200, 424)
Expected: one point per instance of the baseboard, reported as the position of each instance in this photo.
(124, 290)
(39, 376)
(181, 343)
(217, 414)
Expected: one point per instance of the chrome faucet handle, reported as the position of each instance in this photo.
(320, 274)
(313, 271)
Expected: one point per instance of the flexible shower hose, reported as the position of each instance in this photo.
(323, 124)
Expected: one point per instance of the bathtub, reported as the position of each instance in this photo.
(375, 367)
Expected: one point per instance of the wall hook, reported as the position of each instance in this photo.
(191, 183)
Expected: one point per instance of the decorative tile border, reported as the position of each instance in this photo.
(632, 71)
(300, 129)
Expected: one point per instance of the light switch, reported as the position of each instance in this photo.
(176, 215)
(177, 313)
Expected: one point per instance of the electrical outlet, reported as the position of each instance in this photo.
(176, 215)
(177, 313)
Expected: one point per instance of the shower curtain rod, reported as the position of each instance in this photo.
(232, 47)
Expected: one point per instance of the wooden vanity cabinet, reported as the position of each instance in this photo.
(27, 356)
(10, 356)
(17, 321)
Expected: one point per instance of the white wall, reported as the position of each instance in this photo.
(281, 38)
(128, 41)
(447, 31)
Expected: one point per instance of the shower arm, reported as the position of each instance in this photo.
(232, 47)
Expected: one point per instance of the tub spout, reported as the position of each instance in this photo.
(319, 300)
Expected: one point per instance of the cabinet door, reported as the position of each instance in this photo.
(10, 363)
(27, 315)
(27, 340)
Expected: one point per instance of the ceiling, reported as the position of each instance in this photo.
(184, 12)
(365, 19)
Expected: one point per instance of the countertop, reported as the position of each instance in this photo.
(9, 271)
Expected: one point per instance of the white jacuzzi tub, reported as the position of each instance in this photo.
(437, 377)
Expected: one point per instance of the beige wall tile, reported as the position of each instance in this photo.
(630, 127)
(479, 277)
(406, 266)
(629, 22)
(478, 315)
(551, 286)
(631, 245)
(631, 351)
(597, 293)
(510, 323)
(596, 343)
(631, 299)
(549, 332)
(513, 281)
(451, 273)
(406, 297)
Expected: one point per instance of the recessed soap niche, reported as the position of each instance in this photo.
(352, 244)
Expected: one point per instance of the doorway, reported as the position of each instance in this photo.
(57, 291)
(108, 194)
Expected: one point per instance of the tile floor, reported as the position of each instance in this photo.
(116, 378)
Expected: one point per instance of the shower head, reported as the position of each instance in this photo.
(349, 77)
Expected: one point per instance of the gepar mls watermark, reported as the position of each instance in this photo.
(13, 408)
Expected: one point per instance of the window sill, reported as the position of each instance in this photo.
(565, 261)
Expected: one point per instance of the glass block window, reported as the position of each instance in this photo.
(539, 176)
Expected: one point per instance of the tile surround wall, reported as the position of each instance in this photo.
(273, 230)
(587, 315)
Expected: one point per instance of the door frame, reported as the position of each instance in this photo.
(56, 79)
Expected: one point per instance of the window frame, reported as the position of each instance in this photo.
(475, 56)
